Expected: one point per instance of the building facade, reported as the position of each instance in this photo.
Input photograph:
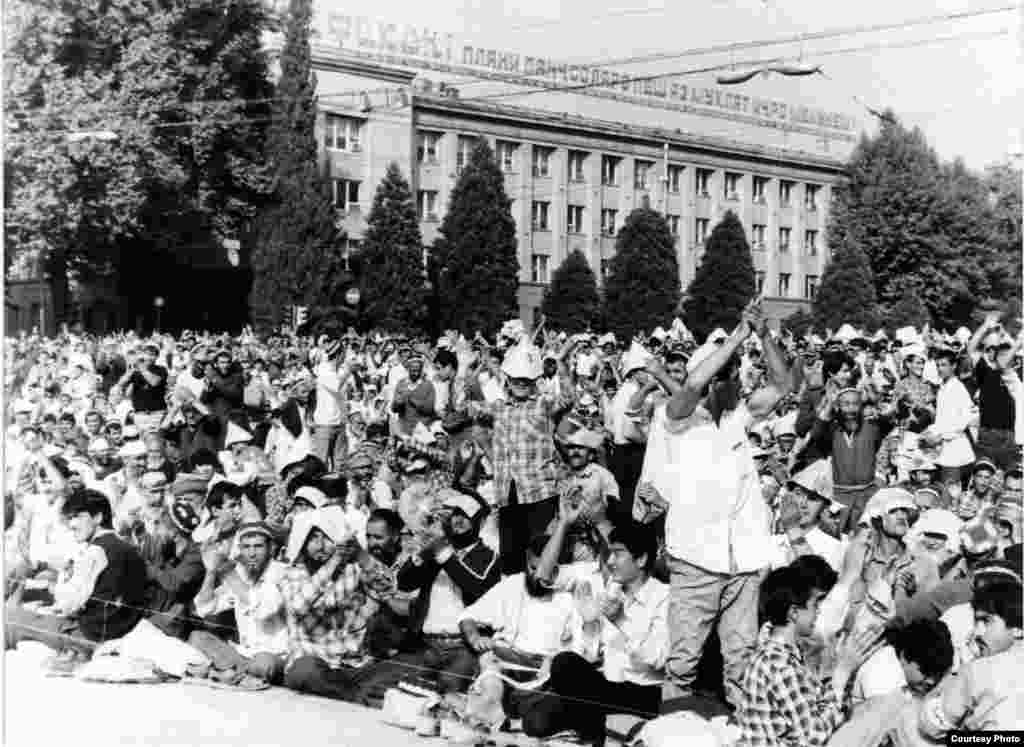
(573, 179)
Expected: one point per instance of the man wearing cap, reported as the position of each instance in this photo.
(718, 527)
(981, 493)
(174, 567)
(812, 489)
(997, 408)
(415, 397)
(592, 489)
(148, 384)
(450, 574)
(524, 451)
(249, 587)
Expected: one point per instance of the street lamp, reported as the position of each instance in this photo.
(158, 304)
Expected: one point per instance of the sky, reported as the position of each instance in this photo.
(965, 94)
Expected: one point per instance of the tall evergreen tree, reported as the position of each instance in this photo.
(475, 256)
(294, 239)
(642, 288)
(847, 291)
(392, 258)
(571, 302)
(724, 282)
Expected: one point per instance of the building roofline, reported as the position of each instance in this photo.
(678, 137)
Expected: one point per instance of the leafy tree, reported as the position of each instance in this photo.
(642, 288)
(847, 291)
(475, 256)
(295, 237)
(571, 302)
(800, 323)
(724, 282)
(909, 311)
(392, 258)
(1002, 186)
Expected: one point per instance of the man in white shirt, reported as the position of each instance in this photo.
(330, 441)
(626, 628)
(812, 490)
(718, 526)
(954, 411)
(248, 586)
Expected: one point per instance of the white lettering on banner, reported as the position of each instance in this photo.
(410, 46)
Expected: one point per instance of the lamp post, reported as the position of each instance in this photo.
(158, 304)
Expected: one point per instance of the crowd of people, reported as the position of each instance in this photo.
(818, 538)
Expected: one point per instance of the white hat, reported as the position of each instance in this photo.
(132, 449)
(99, 444)
(422, 435)
(785, 425)
(636, 357)
(816, 478)
(962, 335)
(815, 340)
(585, 437)
(608, 338)
(523, 362)
(907, 335)
(314, 496)
(939, 521)
(915, 349)
(130, 432)
(718, 334)
(236, 435)
(467, 504)
(879, 336)
(889, 499)
(659, 333)
(330, 520)
(22, 406)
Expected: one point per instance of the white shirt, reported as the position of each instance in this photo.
(261, 620)
(717, 517)
(623, 428)
(330, 400)
(532, 625)
(635, 648)
(954, 411)
(831, 549)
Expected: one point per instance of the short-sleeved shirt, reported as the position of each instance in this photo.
(145, 396)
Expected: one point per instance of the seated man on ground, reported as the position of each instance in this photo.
(450, 574)
(619, 646)
(249, 586)
(105, 595)
(174, 568)
(783, 701)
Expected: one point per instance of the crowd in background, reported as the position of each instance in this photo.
(818, 538)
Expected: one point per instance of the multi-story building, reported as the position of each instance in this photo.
(573, 179)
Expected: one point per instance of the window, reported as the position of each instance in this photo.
(811, 197)
(342, 133)
(732, 186)
(506, 155)
(610, 170)
(345, 194)
(540, 216)
(673, 224)
(606, 265)
(700, 234)
(542, 160)
(703, 181)
(811, 243)
(428, 204)
(608, 222)
(539, 268)
(760, 189)
(426, 150)
(784, 284)
(574, 219)
(642, 172)
(757, 235)
(351, 249)
(466, 144)
(810, 286)
(784, 234)
(785, 193)
(759, 279)
(675, 178)
(577, 162)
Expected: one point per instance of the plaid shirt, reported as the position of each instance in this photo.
(783, 702)
(524, 450)
(326, 617)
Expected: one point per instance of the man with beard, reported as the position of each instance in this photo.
(450, 574)
(717, 525)
(415, 398)
(842, 432)
(249, 587)
(388, 632)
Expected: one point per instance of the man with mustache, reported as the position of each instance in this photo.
(249, 587)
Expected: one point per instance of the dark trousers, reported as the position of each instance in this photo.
(517, 525)
(999, 446)
(57, 632)
(854, 502)
(578, 698)
(308, 674)
(627, 462)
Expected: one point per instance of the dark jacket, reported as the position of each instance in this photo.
(226, 393)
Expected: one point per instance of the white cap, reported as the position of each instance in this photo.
(889, 499)
(659, 333)
(907, 335)
(330, 520)
(99, 444)
(314, 496)
(523, 361)
(817, 478)
(608, 338)
(636, 357)
(236, 435)
(785, 425)
(846, 333)
(939, 521)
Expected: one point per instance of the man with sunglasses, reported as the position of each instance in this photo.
(993, 372)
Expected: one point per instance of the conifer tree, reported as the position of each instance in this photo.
(724, 282)
(847, 291)
(571, 302)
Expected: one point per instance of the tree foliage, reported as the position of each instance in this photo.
(847, 291)
(724, 282)
(800, 323)
(909, 311)
(392, 258)
(295, 238)
(572, 303)
(181, 86)
(475, 256)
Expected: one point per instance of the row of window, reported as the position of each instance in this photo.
(346, 134)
